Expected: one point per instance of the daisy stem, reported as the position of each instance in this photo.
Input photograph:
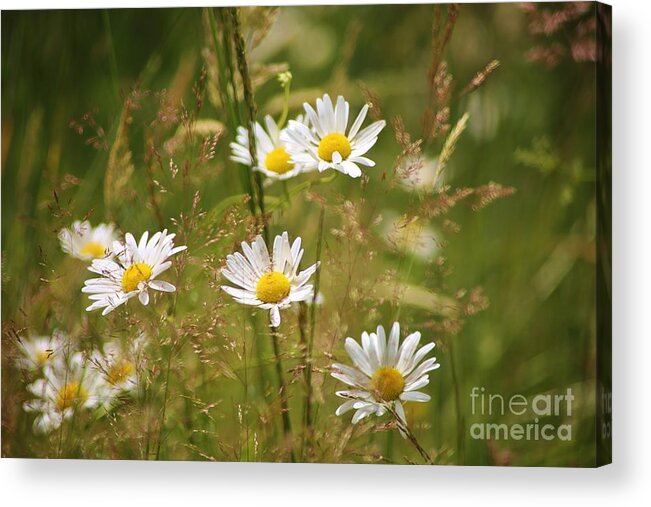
(246, 394)
(310, 342)
(285, 113)
(282, 388)
(288, 197)
(402, 425)
(164, 409)
(302, 324)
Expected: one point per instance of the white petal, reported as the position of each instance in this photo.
(407, 351)
(162, 286)
(358, 122)
(415, 396)
(381, 345)
(345, 407)
(351, 169)
(418, 384)
(341, 115)
(418, 357)
(368, 344)
(361, 414)
(274, 316)
(392, 348)
(428, 365)
(358, 356)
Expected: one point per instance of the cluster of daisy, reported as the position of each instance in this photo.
(385, 374)
(66, 381)
(71, 380)
(317, 141)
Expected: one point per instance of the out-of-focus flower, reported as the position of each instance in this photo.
(410, 235)
(67, 385)
(39, 351)
(120, 367)
(85, 242)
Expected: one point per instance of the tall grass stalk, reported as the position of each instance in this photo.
(251, 109)
(227, 89)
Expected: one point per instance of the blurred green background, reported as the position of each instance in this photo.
(532, 127)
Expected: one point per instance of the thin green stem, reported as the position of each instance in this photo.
(161, 423)
(302, 327)
(282, 391)
(246, 393)
(288, 197)
(404, 428)
(310, 342)
(286, 84)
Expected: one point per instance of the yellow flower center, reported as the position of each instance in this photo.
(331, 143)
(272, 287)
(277, 161)
(42, 357)
(388, 383)
(136, 273)
(119, 372)
(93, 249)
(71, 394)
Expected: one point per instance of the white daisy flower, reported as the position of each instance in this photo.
(269, 283)
(68, 385)
(119, 367)
(384, 375)
(133, 271)
(39, 351)
(327, 145)
(86, 242)
(272, 157)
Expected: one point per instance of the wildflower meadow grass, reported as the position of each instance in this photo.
(298, 234)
